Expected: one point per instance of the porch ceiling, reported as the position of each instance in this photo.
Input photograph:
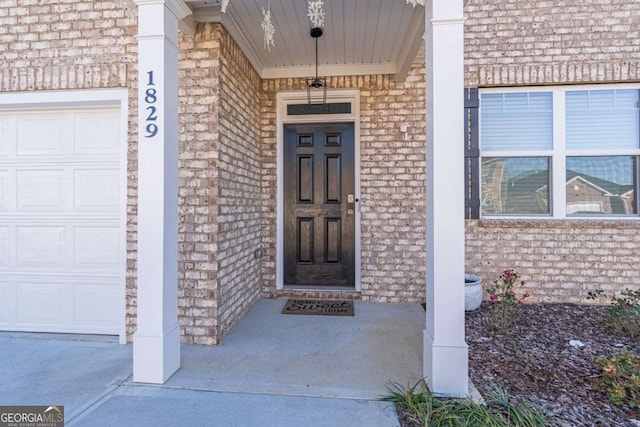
(360, 36)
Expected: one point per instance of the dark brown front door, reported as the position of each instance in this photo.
(319, 207)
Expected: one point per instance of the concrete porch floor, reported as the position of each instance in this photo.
(321, 356)
(271, 370)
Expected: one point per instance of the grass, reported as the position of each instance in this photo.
(500, 411)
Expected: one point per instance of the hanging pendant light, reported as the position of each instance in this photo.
(316, 87)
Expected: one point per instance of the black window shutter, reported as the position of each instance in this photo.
(471, 154)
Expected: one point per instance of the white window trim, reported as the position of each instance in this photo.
(558, 154)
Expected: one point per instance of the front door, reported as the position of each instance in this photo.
(319, 207)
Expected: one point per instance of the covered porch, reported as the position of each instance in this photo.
(236, 110)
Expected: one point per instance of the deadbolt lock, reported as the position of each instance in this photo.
(351, 205)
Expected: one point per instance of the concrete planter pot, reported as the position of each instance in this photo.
(472, 292)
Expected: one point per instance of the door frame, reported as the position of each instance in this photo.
(282, 118)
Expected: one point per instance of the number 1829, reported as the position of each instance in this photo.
(150, 98)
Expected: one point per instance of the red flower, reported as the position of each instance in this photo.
(526, 294)
(492, 297)
(520, 302)
(522, 283)
(629, 304)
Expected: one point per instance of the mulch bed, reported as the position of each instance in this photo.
(538, 363)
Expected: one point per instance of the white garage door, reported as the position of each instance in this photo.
(61, 252)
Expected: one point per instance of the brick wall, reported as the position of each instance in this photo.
(220, 179)
(71, 45)
(392, 185)
(509, 43)
(240, 164)
(560, 261)
(199, 110)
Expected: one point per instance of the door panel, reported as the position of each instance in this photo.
(319, 230)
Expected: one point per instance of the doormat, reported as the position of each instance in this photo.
(320, 307)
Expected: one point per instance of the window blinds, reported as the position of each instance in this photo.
(602, 119)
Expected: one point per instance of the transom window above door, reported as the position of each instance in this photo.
(570, 151)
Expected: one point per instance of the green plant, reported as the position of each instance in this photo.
(500, 411)
(505, 304)
(416, 400)
(517, 412)
(623, 316)
(620, 378)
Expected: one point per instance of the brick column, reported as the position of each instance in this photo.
(156, 343)
(445, 351)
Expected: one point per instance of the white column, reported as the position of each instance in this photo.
(156, 344)
(445, 350)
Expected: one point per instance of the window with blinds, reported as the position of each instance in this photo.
(560, 151)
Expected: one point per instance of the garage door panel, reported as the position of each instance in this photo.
(4, 304)
(96, 134)
(5, 134)
(97, 190)
(41, 135)
(40, 247)
(42, 305)
(4, 248)
(5, 192)
(96, 306)
(41, 190)
(96, 248)
(61, 242)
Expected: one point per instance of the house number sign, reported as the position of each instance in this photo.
(150, 99)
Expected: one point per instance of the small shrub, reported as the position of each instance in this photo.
(623, 316)
(517, 412)
(501, 410)
(505, 303)
(620, 378)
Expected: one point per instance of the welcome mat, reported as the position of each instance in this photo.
(322, 307)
